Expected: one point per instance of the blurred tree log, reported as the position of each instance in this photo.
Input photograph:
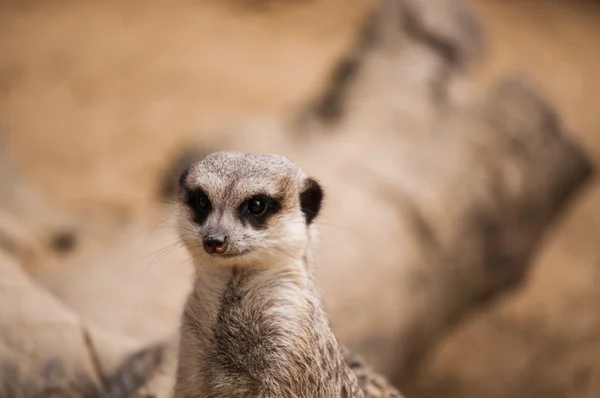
(488, 181)
(441, 195)
(437, 200)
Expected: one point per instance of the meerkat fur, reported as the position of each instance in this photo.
(254, 324)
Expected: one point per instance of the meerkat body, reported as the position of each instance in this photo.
(254, 325)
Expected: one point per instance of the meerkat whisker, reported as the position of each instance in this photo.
(254, 325)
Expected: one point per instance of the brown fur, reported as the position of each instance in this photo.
(254, 325)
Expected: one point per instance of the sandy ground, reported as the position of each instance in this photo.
(95, 97)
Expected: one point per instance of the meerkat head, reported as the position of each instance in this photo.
(240, 208)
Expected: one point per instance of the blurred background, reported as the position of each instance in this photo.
(100, 101)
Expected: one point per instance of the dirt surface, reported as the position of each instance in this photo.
(95, 97)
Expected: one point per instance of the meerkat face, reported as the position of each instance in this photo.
(240, 208)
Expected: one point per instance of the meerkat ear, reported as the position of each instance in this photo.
(310, 199)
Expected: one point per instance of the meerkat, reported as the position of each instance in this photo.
(254, 323)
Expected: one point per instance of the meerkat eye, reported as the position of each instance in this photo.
(258, 209)
(198, 200)
(257, 206)
(202, 202)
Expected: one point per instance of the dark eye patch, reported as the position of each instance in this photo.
(257, 209)
(198, 201)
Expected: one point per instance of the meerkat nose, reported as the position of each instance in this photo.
(215, 244)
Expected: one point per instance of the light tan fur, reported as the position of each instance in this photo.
(254, 325)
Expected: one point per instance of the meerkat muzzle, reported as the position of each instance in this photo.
(215, 244)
